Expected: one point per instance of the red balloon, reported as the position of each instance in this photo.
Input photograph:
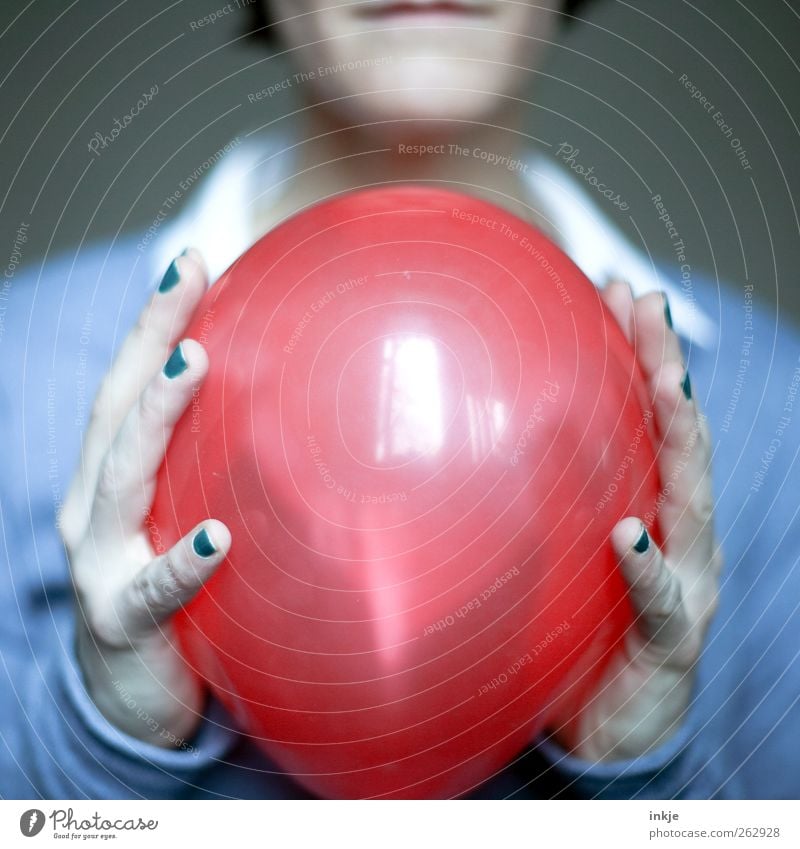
(420, 424)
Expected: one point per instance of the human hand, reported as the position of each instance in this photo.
(126, 593)
(645, 691)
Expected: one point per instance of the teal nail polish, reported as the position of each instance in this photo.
(202, 544)
(643, 543)
(171, 278)
(176, 364)
(686, 386)
(667, 311)
(184, 252)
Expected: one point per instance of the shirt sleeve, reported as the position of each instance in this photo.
(679, 768)
(58, 745)
(54, 742)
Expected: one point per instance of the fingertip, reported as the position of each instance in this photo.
(629, 533)
(194, 256)
(619, 284)
(686, 386)
(650, 324)
(177, 363)
(171, 278)
(639, 562)
(667, 311)
(653, 303)
(211, 540)
(194, 275)
(618, 297)
(194, 271)
(202, 544)
(221, 535)
(668, 382)
(618, 294)
(185, 279)
(642, 543)
(196, 355)
(188, 356)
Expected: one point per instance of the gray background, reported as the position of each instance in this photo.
(611, 88)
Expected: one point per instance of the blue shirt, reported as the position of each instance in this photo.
(61, 327)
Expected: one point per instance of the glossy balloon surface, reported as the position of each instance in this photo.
(420, 424)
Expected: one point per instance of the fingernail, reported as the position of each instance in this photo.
(170, 278)
(613, 278)
(643, 543)
(202, 544)
(176, 364)
(686, 386)
(184, 252)
(667, 311)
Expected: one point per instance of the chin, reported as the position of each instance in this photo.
(419, 61)
(439, 98)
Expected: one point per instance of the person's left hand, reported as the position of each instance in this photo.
(646, 689)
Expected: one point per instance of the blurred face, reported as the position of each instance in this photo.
(417, 59)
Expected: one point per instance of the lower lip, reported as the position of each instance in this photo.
(435, 10)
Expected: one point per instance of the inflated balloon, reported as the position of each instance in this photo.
(420, 424)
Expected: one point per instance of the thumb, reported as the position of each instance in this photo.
(655, 592)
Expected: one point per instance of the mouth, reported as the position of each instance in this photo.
(385, 9)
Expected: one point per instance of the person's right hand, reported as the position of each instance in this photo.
(126, 592)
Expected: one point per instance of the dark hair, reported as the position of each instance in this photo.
(260, 27)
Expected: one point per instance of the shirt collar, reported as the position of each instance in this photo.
(217, 221)
(600, 250)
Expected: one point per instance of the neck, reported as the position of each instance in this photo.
(486, 161)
